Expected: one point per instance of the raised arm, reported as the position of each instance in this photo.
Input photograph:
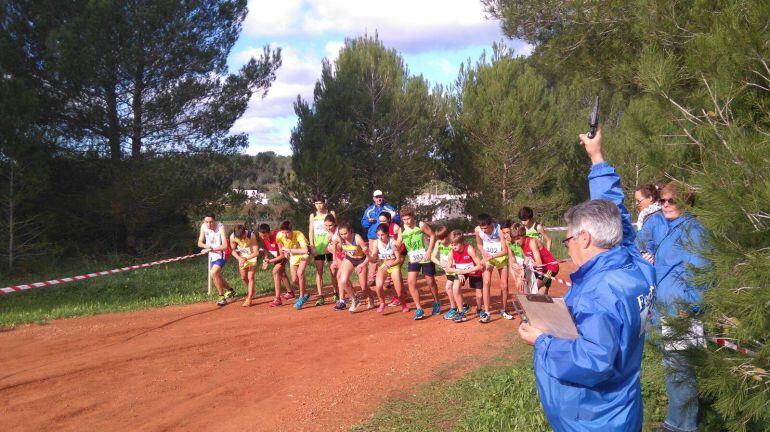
(604, 183)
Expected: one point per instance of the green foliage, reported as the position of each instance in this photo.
(369, 119)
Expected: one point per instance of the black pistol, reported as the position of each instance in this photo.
(593, 119)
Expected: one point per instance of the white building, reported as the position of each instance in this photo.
(439, 206)
(255, 196)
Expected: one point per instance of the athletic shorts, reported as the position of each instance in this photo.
(220, 262)
(394, 269)
(451, 277)
(355, 261)
(428, 268)
(547, 280)
(250, 263)
(324, 257)
(476, 282)
(499, 262)
(296, 259)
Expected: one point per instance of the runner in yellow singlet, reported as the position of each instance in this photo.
(244, 246)
(318, 237)
(293, 246)
(356, 260)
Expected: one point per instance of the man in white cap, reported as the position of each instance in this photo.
(369, 221)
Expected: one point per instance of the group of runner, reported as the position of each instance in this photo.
(393, 238)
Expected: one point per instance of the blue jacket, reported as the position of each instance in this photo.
(373, 211)
(676, 246)
(592, 383)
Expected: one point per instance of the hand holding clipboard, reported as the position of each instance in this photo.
(544, 314)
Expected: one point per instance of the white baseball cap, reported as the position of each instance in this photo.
(377, 193)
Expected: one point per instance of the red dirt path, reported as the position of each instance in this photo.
(233, 368)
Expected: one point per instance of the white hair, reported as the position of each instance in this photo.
(600, 218)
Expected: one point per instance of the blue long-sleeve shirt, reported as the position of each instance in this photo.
(592, 383)
(676, 245)
(373, 211)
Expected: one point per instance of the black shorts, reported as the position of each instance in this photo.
(355, 261)
(451, 277)
(324, 257)
(428, 269)
(546, 280)
(476, 282)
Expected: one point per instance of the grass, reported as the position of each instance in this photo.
(496, 398)
(177, 283)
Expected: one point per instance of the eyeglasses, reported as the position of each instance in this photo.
(565, 242)
(663, 201)
(639, 201)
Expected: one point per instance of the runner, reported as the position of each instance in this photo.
(318, 243)
(273, 256)
(515, 256)
(369, 222)
(330, 222)
(244, 246)
(213, 239)
(534, 228)
(390, 260)
(494, 252)
(440, 257)
(419, 259)
(537, 256)
(356, 260)
(395, 232)
(464, 264)
(294, 248)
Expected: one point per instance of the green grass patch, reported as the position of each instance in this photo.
(496, 398)
(177, 283)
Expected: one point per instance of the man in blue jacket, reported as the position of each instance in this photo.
(369, 223)
(592, 383)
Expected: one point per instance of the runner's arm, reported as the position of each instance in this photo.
(311, 232)
(503, 250)
(399, 258)
(535, 251)
(427, 230)
(253, 247)
(434, 257)
(202, 240)
(479, 243)
(546, 237)
(234, 247)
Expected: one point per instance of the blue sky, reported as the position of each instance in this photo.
(434, 37)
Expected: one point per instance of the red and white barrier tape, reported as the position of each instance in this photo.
(561, 281)
(728, 343)
(547, 229)
(17, 288)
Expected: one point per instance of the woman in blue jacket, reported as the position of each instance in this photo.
(674, 239)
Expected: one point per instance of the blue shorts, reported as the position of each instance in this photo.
(220, 262)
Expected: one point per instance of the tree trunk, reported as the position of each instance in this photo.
(137, 106)
(113, 128)
(10, 219)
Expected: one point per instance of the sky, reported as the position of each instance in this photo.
(433, 36)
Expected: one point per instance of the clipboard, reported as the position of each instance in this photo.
(549, 314)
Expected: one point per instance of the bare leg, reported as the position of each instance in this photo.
(448, 289)
(249, 284)
(299, 274)
(457, 293)
(503, 273)
(319, 277)
(219, 281)
(412, 283)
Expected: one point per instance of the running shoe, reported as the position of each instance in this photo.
(372, 302)
(335, 298)
(395, 302)
(449, 315)
(222, 301)
(288, 295)
(276, 302)
(354, 305)
(460, 317)
(301, 301)
(340, 306)
(404, 308)
(230, 294)
(466, 308)
(381, 309)
(419, 314)
(320, 301)
(436, 308)
(506, 315)
(484, 316)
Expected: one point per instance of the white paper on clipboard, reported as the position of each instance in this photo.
(549, 314)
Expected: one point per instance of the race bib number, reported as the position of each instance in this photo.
(417, 255)
(463, 266)
(493, 247)
(387, 256)
(319, 227)
(444, 260)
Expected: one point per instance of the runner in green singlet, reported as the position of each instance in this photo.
(318, 237)
(418, 257)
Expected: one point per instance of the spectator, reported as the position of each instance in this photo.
(675, 241)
